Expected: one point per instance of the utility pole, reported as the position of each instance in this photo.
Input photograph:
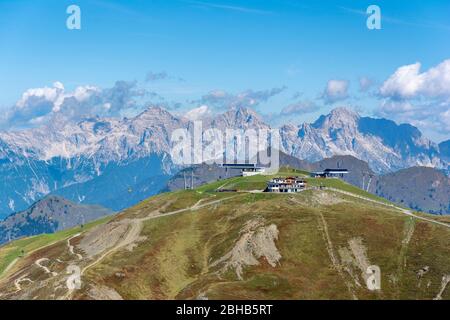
(192, 179)
(184, 175)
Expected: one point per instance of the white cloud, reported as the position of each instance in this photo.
(300, 107)
(408, 82)
(336, 90)
(80, 94)
(38, 105)
(46, 93)
(219, 99)
(395, 106)
(419, 98)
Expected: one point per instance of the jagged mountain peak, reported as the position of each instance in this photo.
(338, 117)
(385, 145)
(239, 118)
(242, 113)
(154, 113)
(157, 120)
(245, 111)
(343, 112)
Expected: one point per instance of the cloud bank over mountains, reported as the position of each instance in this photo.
(37, 106)
(422, 98)
(300, 107)
(409, 82)
(409, 94)
(223, 100)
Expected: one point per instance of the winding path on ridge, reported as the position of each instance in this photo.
(17, 283)
(38, 263)
(12, 263)
(134, 229)
(70, 247)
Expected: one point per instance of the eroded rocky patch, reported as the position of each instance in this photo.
(257, 240)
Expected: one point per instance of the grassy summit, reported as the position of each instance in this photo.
(201, 243)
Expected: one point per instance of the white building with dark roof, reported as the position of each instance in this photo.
(289, 184)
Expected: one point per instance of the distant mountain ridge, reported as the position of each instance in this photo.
(48, 215)
(418, 188)
(117, 163)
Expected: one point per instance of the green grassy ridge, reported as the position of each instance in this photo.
(13, 250)
(185, 198)
(344, 186)
(175, 259)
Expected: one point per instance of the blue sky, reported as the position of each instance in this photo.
(235, 47)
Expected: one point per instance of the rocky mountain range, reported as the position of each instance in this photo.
(117, 163)
(96, 161)
(383, 144)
